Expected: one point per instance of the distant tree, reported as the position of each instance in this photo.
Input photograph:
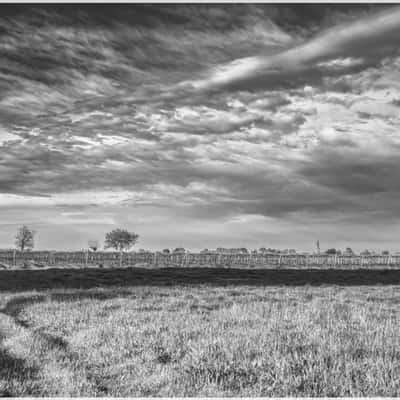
(385, 252)
(25, 238)
(166, 251)
(349, 251)
(93, 244)
(331, 251)
(120, 239)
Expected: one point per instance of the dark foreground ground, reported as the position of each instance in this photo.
(15, 280)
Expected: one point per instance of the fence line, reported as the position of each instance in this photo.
(188, 259)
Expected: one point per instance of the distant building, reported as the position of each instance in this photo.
(263, 250)
(223, 250)
(289, 251)
(179, 250)
(206, 251)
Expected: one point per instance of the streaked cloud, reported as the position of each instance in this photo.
(340, 45)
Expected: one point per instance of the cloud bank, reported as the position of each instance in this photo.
(232, 124)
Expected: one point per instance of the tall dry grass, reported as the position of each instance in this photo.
(201, 341)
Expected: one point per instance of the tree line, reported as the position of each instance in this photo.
(118, 239)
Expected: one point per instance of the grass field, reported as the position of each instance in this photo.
(144, 335)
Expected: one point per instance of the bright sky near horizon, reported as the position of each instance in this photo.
(201, 126)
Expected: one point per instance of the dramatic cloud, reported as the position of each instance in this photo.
(200, 125)
(341, 45)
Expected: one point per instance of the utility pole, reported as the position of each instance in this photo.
(318, 249)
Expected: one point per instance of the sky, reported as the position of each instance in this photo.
(201, 126)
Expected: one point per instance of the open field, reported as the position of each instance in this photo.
(199, 332)
(84, 278)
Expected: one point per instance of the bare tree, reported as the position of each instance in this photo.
(25, 238)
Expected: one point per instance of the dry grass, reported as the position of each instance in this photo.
(201, 341)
